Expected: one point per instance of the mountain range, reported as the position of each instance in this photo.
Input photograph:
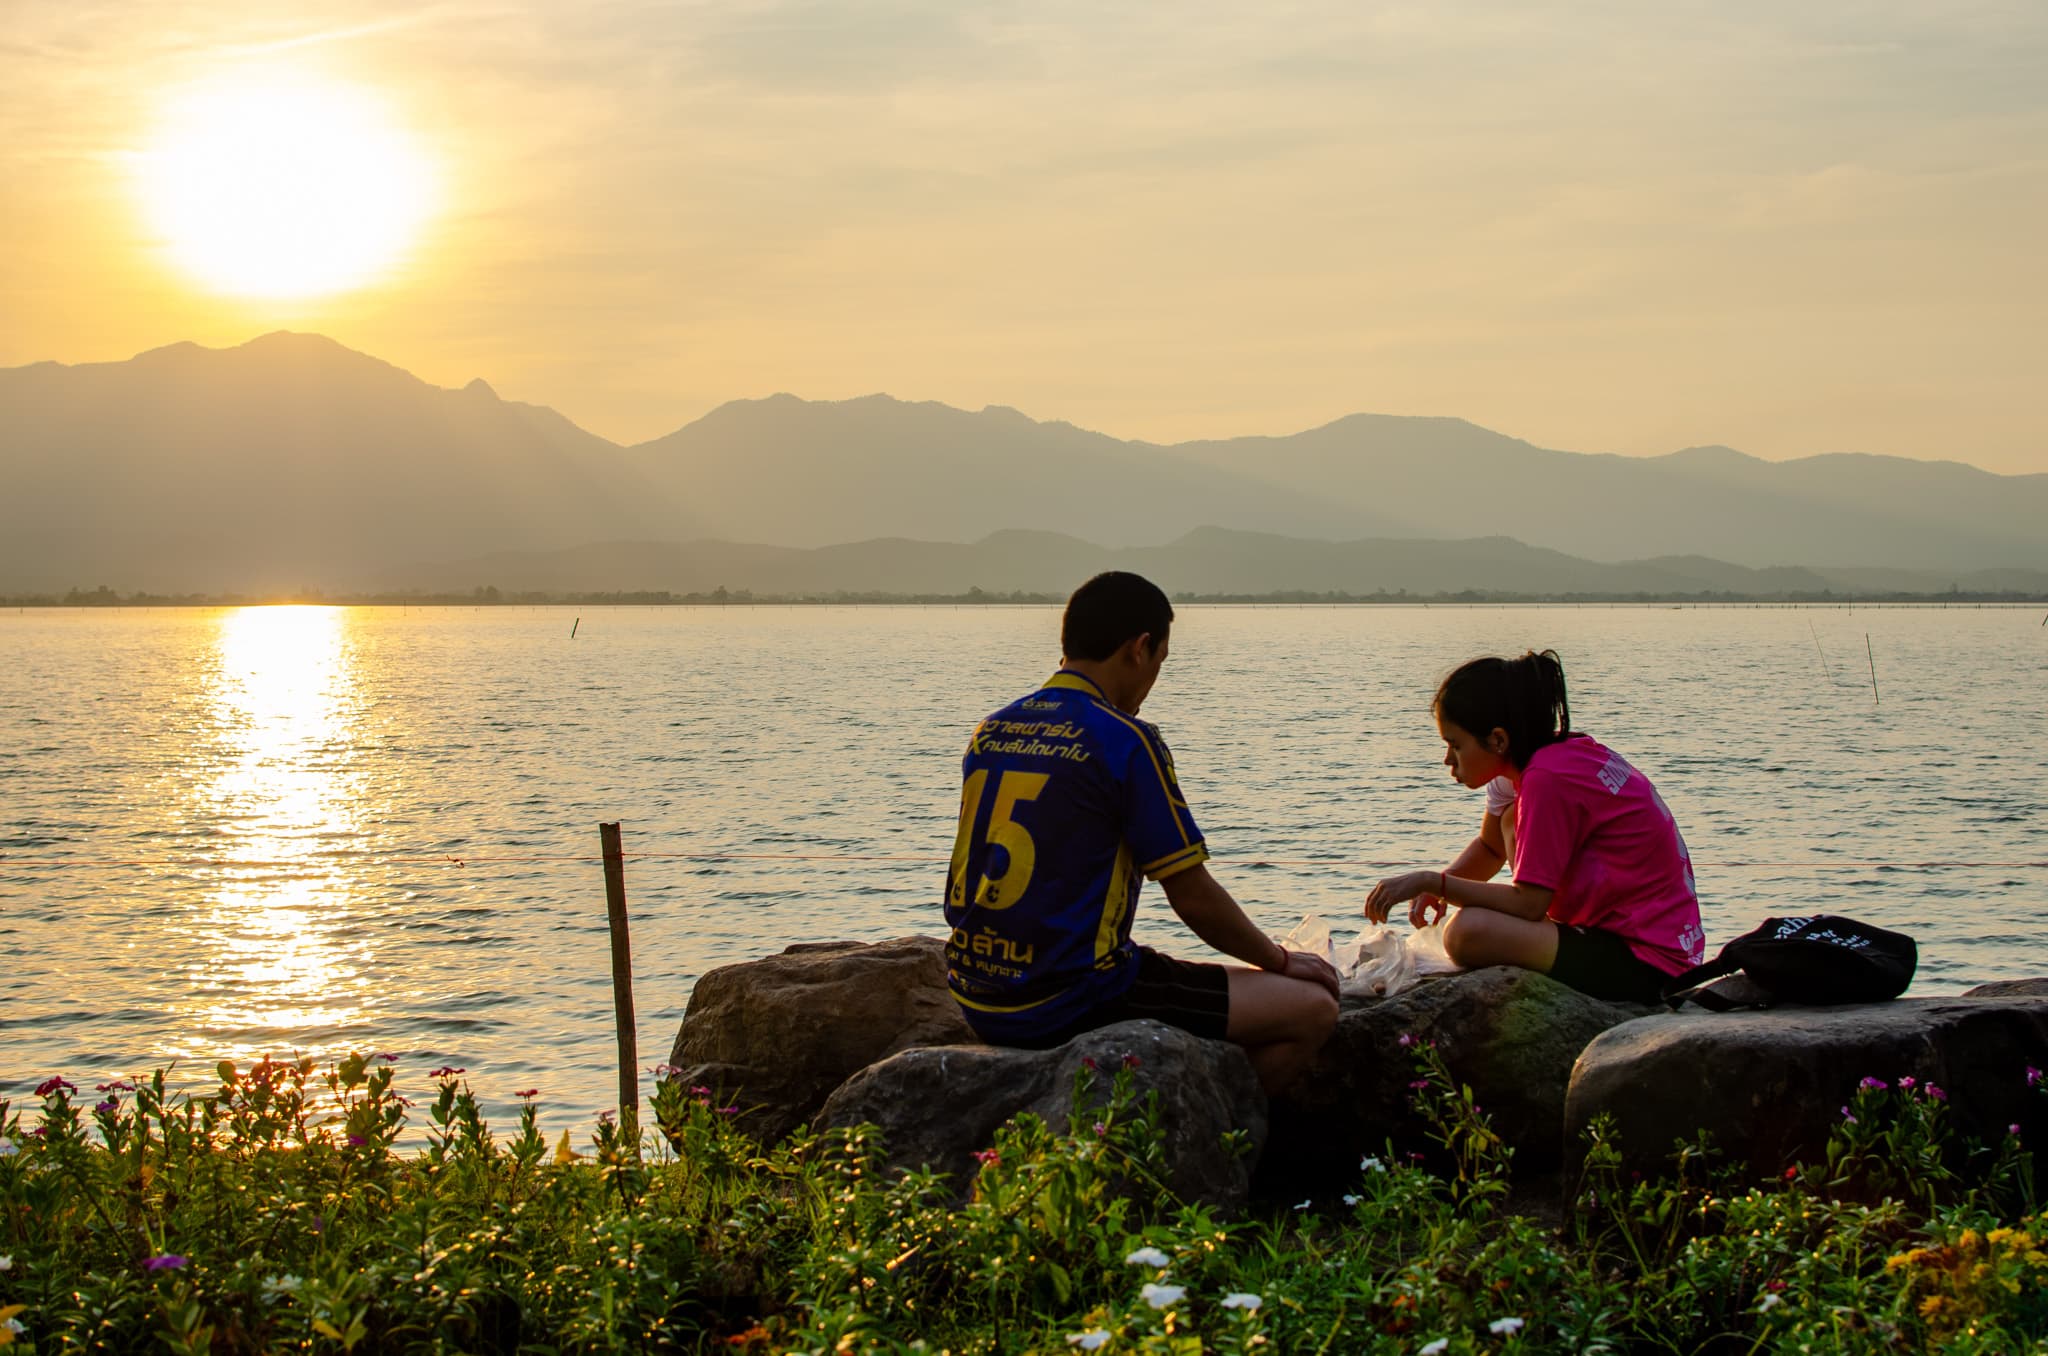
(292, 462)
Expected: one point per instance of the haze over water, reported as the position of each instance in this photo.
(235, 832)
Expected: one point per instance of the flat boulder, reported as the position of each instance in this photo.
(936, 1107)
(1769, 1086)
(775, 1036)
(1512, 1035)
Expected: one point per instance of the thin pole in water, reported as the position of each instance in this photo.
(622, 985)
(1819, 651)
(572, 627)
(1872, 656)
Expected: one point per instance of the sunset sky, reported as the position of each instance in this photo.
(1599, 226)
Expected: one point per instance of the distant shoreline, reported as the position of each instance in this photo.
(491, 597)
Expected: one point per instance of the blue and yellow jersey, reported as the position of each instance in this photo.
(1066, 804)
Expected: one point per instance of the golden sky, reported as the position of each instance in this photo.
(1599, 226)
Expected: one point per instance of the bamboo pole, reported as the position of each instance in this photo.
(1872, 656)
(622, 984)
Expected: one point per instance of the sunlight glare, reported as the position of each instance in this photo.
(279, 187)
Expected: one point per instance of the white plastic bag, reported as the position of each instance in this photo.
(1312, 935)
(1426, 945)
(1379, 965)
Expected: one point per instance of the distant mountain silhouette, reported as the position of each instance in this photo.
(288, 461)
(291, 461)
(1208, 561)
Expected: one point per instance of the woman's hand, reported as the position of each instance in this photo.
(1428, 909)
(1398, 889)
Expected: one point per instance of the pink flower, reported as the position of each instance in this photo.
(1936, 1094)
(700, 1091)
(1908, 1082)
(2013, 1129)
(1101, 1129)
(50, 1085)
(446, 1072)
(1131, 1061)
(357, 1141)
(2033, 1075)
(1406, 1040)
(987, 1156)
(388, 1059)
(729, 1110)
(1872, 1085)
(530, 1092)
(1419, 1084)
(1847, 1117)
(1088, 1063)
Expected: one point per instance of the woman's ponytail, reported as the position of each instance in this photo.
(1524, 696)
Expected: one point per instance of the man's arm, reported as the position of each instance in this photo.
(1206, 907)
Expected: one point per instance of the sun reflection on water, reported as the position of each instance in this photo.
(277, 968)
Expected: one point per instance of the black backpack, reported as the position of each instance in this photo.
(1822, 959)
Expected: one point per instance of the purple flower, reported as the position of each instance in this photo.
(1101, 1129)
(1131, 1061)
(164, 1262)
(50, 1085)
(1406, 1040)
(1872, 1085)
(1847, 1117)
(729, 1110)
(1908, 1083)
(446, 1072)
(1936, 1094)
(356, 1141)
(319, 1224)
(700, 1091)
(111, 1104)
(2013, 1129)
(388, 1059)
(2033, 1075)
(1418, 1085)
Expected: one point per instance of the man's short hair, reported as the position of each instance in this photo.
(1110, 609)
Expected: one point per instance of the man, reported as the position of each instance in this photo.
(1068, 800)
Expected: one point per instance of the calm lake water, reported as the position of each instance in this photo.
(232, 832)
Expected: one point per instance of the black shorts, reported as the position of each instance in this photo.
(1191, 995)
(1601, 964)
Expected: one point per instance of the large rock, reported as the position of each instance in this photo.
(1511, 1034)
(1770, 1086)
(776, 1036)
(937, 1107)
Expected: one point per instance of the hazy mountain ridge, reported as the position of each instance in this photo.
(292, 461)
(1209, 560)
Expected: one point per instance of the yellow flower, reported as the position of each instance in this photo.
(1932, 1305)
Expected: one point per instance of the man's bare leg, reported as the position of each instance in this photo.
(1280, 1022)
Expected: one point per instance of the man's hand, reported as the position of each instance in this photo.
(1398, 889)
(1316, 970)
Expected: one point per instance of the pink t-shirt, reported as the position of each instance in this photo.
(1591, 828)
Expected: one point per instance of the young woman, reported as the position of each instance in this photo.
(1602, 896)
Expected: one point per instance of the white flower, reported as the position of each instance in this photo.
(1352, 1200)
(1147, 1257)
(1089, 1340)
(1241, 1300)
(7, 1147)
(1159, 1296)
(286, 1284)
(1304, 1205)
(1371, 1164)
(6, 1263)
(1504, 1325)
(14, 1326)
(1441, 1344)
(1769, 1302)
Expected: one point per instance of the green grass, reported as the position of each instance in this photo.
(275, 1214)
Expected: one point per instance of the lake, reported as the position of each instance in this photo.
(231, 832)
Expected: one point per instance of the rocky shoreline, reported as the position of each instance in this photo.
(847, 1033)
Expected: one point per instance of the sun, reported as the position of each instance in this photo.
(283, 186)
